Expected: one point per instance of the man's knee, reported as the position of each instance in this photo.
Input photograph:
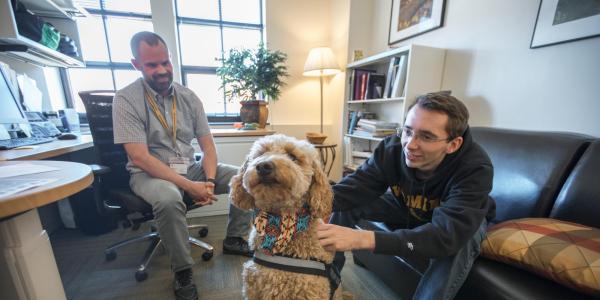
(168, 201)
(224, 174)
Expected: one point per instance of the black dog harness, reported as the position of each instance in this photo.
(303, 266)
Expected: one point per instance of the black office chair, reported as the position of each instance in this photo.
(112, 192)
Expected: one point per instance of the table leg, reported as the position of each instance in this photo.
(27, 257)
(326, 160)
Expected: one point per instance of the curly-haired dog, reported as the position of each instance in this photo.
(283, 182)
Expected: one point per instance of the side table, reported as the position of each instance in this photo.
(327, 153)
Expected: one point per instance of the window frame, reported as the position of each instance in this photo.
(110, 64)
(225, 117)
(213, 118)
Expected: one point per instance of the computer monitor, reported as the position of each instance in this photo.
(10, 109)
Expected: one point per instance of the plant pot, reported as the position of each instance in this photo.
(254, 111)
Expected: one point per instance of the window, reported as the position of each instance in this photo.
(104, 38)
(207, 30)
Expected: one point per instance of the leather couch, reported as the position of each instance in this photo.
(536, 174)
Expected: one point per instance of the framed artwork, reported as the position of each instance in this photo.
(561, 21)
(410, 18)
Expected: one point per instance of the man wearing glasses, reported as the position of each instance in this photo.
(432, 181)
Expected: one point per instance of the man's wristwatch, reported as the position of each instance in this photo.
(211, 180)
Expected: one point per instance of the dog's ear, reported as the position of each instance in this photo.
(237, 193)
(320, 194)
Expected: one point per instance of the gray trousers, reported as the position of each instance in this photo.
(169, 210)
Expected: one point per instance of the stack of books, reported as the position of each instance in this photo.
(355, 116)
(375, 128)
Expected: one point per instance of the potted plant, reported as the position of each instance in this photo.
(252, 76)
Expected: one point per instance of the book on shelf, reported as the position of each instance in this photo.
(383, 132)
(351, 84)
(363, 154)
(375, 86)
(367, 115)
(359, 83)
(400, 79)
(357, 161)
(378, 124)
(377, 133)
(347, 150)
(353, 121)
(355, 116)
(390, 77)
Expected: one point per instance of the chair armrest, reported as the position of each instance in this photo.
(99, 169)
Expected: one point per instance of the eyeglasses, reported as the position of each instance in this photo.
(421, 136)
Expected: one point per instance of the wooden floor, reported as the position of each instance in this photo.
(86, 275)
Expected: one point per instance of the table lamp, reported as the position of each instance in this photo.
(320, 63)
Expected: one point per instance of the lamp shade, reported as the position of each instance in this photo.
(321, 62)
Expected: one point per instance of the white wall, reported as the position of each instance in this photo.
(504, 83)
(295, 27)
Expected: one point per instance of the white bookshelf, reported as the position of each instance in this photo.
(424, 72)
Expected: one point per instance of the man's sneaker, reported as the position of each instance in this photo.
(237, 246)
(184, 286)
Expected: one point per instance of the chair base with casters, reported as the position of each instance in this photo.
(141, 273)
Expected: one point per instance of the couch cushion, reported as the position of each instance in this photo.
(565, 252)
(490, 279)
(579, 199)
(529, 168)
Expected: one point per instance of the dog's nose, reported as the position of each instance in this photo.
(265, 168)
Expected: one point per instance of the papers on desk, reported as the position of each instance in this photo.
(24, 169)
(9, 186)
(13, 185)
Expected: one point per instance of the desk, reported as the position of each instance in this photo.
(26, 250)
(48, 150)
(327, 153)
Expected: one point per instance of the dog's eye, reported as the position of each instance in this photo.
(292, 157)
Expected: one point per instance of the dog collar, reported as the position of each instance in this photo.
(277, 230)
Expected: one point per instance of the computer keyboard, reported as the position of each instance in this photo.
(20, 142)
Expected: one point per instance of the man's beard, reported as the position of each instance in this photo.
(160, 86)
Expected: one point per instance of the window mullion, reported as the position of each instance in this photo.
(222, 52)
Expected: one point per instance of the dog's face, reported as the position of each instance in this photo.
(280, 174)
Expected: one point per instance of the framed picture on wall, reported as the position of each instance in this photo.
(410, 18)
(561, 21)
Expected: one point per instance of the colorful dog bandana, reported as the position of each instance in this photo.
(277, 230)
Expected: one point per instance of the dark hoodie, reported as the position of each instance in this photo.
(445, 210)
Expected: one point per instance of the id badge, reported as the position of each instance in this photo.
(179, 164)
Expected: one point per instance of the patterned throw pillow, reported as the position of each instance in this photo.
(565, 252)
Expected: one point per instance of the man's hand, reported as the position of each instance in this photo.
(339, 238)
(201, 192)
